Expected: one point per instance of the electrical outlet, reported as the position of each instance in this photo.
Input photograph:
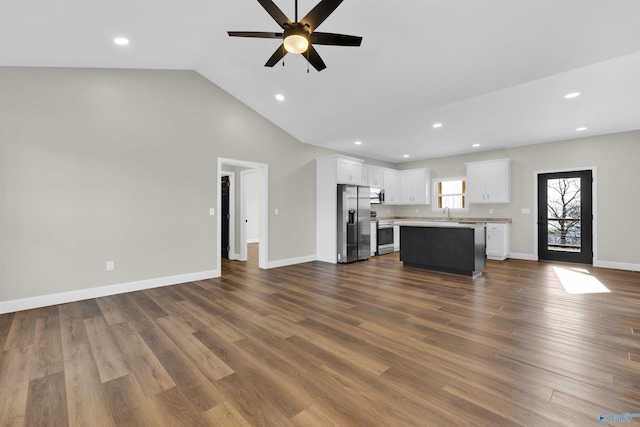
(111, 265)
(276, 211)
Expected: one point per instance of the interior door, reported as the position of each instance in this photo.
(225, 195)
(565, 217)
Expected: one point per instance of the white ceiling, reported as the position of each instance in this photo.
(493, 72)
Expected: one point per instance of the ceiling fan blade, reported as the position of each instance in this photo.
(318, 14)
(277, 56)
(275, 13)
(335, 39)
(314, 59)
(258, 34)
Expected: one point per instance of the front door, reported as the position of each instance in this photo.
(565, 218)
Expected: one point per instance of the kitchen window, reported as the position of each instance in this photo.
(450, 193)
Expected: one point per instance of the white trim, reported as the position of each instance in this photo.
(434, 194)
(291, 261)
(253, 240)
(233, 251)
(526, 257)
(102, 291)
(263, 209)
(617, 265)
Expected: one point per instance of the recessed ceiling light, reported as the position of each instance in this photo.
(358, 142)
(121, 41)
(572, 95)
(475, 145)
(280, 97)
(405, 156)
(581, 129)
(437, 125)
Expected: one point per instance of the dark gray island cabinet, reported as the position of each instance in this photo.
(454, 248)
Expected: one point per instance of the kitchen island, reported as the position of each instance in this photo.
(443, 246)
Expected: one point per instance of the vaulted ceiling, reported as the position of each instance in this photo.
(492, 72)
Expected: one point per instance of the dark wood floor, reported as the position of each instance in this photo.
(366, 344)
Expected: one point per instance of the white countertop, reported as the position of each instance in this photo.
(438, 224)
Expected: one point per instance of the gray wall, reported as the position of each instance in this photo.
(100, 165)
(616, 158)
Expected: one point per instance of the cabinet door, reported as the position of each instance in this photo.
(419, 187)
(497, 183)
(391, 187)
(396, 238)
(413, 187)
(475, 183)
(375, 178)
(374, 238)
(494, 243)
(348, 172)
(497, 241)
(406, 190)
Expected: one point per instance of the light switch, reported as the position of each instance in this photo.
(212, 211)
(525, 211)
(111, 265)
(276, 211)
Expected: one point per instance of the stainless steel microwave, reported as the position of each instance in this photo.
(377, 196)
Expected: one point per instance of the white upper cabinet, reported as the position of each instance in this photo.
(391, 187)
(414, 186)
(375, 177)
(349, 170)
(489, 181)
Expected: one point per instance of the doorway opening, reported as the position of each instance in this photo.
(225, 216)
(565, 216)
(237, 217)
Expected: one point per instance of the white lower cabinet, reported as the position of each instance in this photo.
(497, 241)
(396, 238)
(374, 238)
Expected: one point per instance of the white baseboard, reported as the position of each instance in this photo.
(291, 261)
(101, 291)
(526, 257)
(596, 263)
(616, 265)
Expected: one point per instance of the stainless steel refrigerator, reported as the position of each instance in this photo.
(354, 223)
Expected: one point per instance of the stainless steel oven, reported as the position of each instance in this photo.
(385, 237)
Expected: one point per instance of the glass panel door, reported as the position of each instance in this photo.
(565, 217)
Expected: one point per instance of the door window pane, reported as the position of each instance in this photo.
(563, 214)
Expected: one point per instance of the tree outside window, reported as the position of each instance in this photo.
(563, 213)
(451, 193)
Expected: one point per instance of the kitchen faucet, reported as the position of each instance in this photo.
(447, 211)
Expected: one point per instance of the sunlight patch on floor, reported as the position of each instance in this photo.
(579, 281)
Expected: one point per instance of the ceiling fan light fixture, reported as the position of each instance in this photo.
(296, 43)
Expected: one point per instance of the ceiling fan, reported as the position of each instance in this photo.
(300, 36)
